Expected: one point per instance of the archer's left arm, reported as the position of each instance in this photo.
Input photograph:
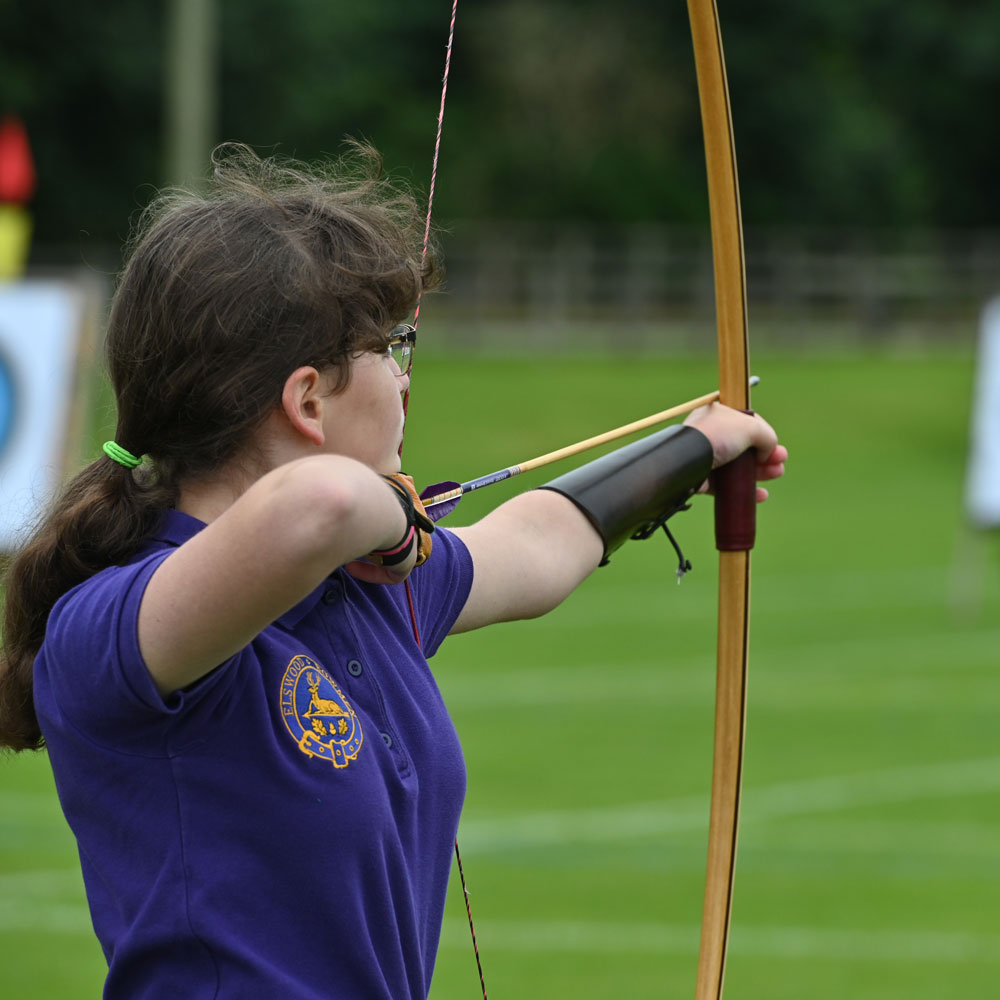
(533, 551)
(528, 556)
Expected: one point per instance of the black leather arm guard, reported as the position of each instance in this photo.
(641, 484)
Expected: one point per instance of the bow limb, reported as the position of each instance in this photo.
(735, 497)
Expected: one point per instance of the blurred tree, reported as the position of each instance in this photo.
(300, 75)
(575, 110)
(865, 113)
(87, 85)
(860, 114)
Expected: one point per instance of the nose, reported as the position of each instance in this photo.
(403, 380)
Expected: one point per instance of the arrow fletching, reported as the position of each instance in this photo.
(446, 496)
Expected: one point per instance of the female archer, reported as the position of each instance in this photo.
(210, 631)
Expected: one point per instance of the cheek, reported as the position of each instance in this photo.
(377, 388)
(387, 401)
(393, 397)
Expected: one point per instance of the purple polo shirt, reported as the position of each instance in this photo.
(284, 827)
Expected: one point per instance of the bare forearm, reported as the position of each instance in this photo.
(529, 554)
(533, 551)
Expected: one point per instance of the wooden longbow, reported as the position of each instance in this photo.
(734, 487)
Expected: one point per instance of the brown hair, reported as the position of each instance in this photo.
(224, 294)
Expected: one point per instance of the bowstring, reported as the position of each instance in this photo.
(406, 405)
(433, 183)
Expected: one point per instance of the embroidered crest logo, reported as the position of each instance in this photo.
(318, 715)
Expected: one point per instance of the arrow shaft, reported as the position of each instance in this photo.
(575, 449)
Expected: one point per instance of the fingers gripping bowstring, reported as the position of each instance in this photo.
(406, 400)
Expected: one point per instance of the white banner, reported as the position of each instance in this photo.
(983, 480)
(41, 329)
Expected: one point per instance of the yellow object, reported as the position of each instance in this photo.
(15, 238)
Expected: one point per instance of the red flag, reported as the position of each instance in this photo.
(17, 169)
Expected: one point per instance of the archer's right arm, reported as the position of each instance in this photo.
(260, 557)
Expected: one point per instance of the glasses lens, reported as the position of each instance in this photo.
(401, 353)
(401, 349)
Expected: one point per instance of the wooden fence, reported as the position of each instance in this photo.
(629, 281)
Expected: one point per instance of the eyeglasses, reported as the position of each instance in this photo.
(400, 347)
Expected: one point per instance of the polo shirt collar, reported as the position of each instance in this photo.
(176, 527)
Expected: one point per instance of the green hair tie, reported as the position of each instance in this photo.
(118, 454)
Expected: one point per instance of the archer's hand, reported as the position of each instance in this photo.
(732, 433)
(416, 515)
(394, 565)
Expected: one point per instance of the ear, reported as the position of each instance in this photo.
(302, 402)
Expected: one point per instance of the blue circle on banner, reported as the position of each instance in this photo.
(8, 403)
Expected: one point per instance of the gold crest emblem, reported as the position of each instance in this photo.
(317, 714)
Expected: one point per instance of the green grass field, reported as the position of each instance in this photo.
(869, 865)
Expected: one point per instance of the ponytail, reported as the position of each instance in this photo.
(100, 520)
(224, 293)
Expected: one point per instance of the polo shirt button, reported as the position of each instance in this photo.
(332, 594)
(388, 740)
(355, 669)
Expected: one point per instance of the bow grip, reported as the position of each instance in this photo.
(735, 489)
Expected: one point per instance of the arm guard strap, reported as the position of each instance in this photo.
(627, 489)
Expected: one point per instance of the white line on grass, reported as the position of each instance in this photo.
(792, 798)
(50, 901)
(765, 942)
(948, 651)
(41, 882)
(48, 917)
(820, 595)
(42, 804)
(607, 938)
(898, 838)
(780, 683)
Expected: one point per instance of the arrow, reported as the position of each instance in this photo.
(444, 497)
